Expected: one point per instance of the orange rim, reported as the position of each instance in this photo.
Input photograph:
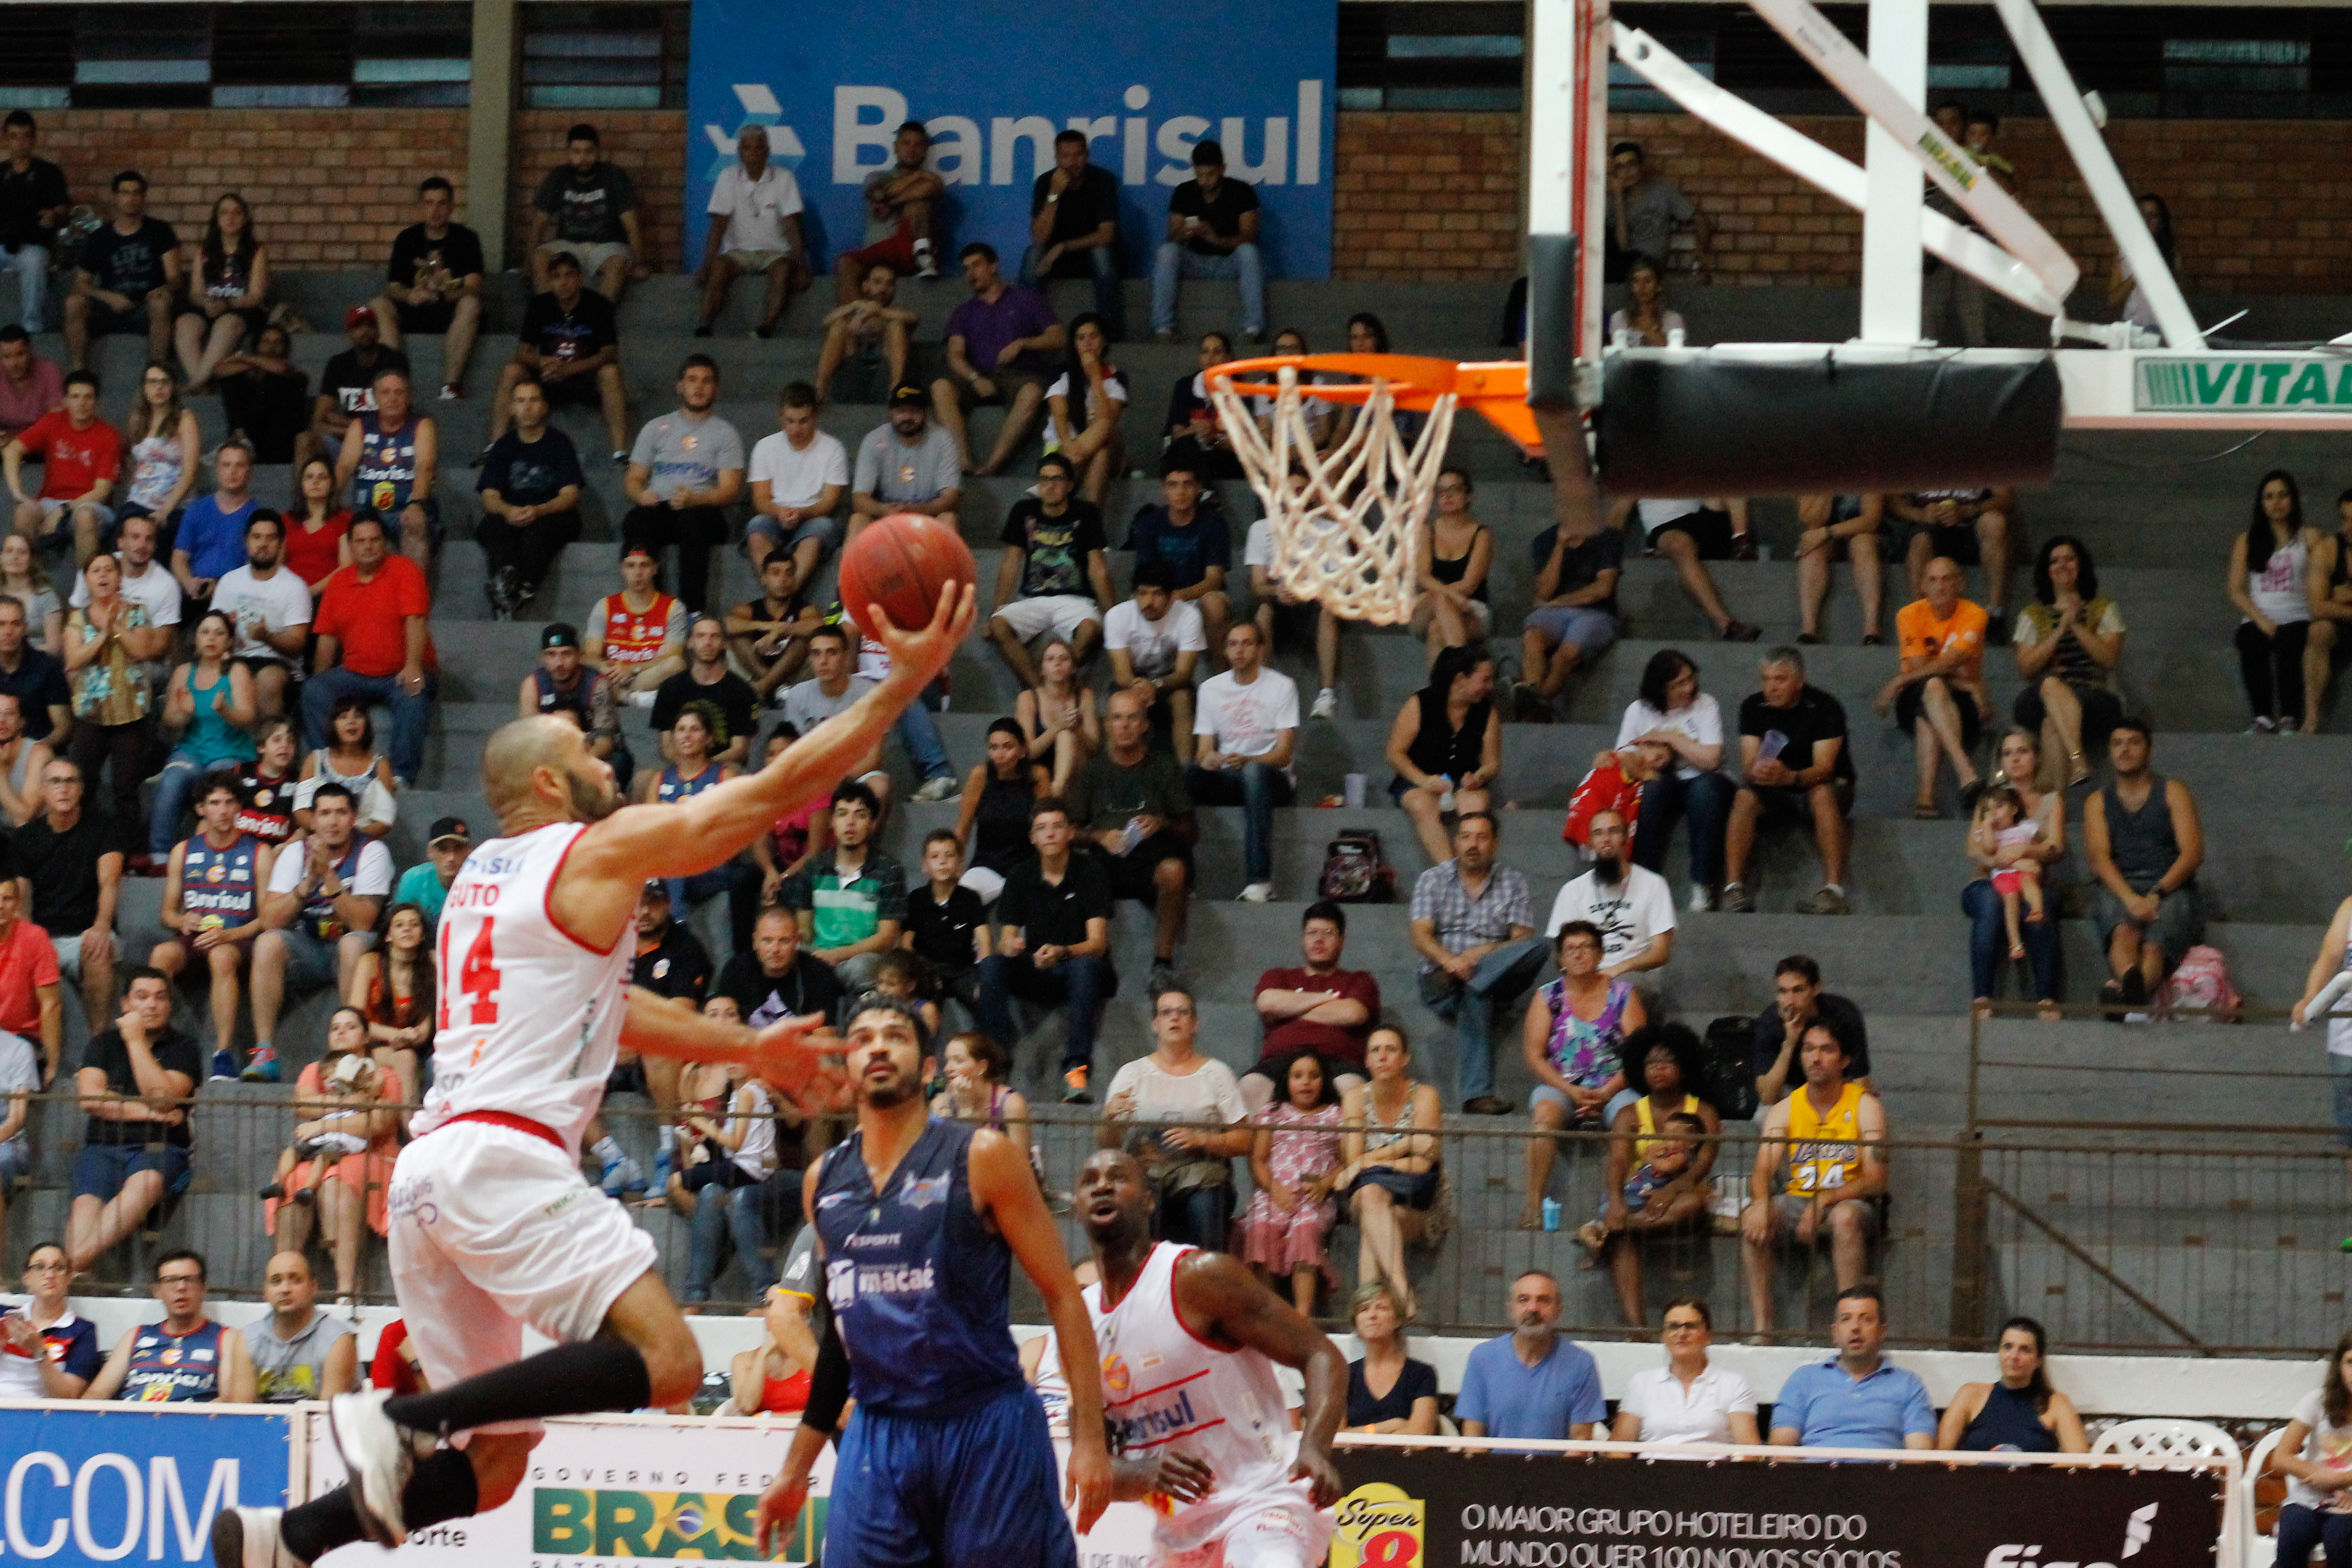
(1496, 389)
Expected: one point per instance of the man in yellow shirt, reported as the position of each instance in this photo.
(1820, 1166)
(1937, 691)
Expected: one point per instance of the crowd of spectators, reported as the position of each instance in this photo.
(201, 618)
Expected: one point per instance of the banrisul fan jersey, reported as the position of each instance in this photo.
(529, 1016)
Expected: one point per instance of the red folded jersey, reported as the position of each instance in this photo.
(1605, 788)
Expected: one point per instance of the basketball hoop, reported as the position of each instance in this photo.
(1346, 522)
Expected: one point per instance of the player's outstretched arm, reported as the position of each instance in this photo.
(1220, 1298)
(1004, 1184)
(637, 844)
(783, 1054)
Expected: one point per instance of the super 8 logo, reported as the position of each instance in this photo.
(1377, 1526)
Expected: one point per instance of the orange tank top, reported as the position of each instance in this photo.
(634, 636)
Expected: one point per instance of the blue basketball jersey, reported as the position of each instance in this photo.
(220, 882)
(674, 787)
(916, 1282)
(168, 1370)
(385, 476)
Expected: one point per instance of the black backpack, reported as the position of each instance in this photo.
(1353, 871)
(1727, 1073)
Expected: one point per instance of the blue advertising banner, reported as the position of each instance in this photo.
(995, 81)
(119, 1483)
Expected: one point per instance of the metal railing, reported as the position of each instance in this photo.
(2116, 1239)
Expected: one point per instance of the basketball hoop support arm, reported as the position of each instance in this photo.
(2109, 189)
(1836, 176)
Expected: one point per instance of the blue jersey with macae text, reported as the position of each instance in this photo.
(917, 1281)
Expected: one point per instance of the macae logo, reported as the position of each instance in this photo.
(2138, 1531)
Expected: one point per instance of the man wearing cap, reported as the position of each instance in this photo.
(347, 388)
(564, 684)
(906, 465)
(427, 884)
(685, 471)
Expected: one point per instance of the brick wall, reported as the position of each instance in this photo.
(1425, 197)
(648, 142)
(2258, 207)
(329, 187)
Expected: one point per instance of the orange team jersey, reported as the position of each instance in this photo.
(633, 637)
(1922, 635)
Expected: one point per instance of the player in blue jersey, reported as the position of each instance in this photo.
(947, 1463)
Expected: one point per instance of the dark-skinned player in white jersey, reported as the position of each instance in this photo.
(1189, 1341)
(947, 1463)
(493, 1228)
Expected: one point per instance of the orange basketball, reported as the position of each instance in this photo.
(901, 562)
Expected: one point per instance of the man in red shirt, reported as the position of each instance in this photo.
(29, 1004)
(80, 454)
(1321, 1008)
(372, 643)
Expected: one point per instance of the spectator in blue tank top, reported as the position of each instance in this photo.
(1854, 1399)
(212, 905)
(185, 1358)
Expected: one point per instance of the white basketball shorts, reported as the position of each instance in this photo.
(494, 1228)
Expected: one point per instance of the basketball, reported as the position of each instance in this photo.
(900, 562)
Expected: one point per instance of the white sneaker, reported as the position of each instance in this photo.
(379, 1458)
(1257, 893)
(1702, 898)
(1326, 704)
(937, 788)
(247, 1538)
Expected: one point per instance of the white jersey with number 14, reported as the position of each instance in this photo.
(530, 1017)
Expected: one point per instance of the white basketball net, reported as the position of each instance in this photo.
(1345, 523)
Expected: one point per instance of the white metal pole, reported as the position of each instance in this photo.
(2109, 189)
(1890, 219)
(1551, 115)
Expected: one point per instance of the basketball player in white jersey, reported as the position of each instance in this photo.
(1189, 1341)
(493, 1226)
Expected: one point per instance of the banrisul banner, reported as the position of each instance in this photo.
(1408, 1509)
(995, 81)
(132, 1483)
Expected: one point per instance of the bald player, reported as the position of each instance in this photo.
(493, 1228)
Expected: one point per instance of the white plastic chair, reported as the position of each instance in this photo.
(2161, 1438)
(2260, 1550)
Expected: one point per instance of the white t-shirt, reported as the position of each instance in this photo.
(755, 210)
(797, 477)
(1259, 549)
(1657, 513)
(1152, 645)
(258, 607)
(20, 1072)
(2328, 1445)
(1113, 388)
(1699, 1414)
(371, 881)
(1629, 915)
(1702, 721)
(1247, 719)
(807, 706)
(155, 589)
(1208, 1093)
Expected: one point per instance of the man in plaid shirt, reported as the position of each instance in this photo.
(1475, 929)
